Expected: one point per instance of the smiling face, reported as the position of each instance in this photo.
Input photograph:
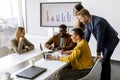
(75, 11)
(62, 32)
(84, 19)
(84, 16)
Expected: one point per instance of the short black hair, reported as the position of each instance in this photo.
(79, 32)
(63, 26)
(79, 6)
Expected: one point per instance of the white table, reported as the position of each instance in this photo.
(15, 59)
(52, 67)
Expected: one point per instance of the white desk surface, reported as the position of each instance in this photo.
(14, 59)
(51, 65)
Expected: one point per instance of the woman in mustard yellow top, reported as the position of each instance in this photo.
(80, 58)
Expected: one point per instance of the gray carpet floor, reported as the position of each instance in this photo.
(115, 70)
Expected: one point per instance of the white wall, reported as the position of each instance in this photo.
(35, 33)
(108, 9)
(33, 18)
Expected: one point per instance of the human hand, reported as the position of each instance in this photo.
(98, 57)
(25, 50)
(21, 38)
(58, 48)
(65, 52)
(51, 57)
(52, 48)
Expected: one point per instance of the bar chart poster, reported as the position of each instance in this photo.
(55, 14)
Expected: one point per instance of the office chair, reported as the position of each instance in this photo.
(95, 72)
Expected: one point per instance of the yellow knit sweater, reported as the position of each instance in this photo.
(80, 57)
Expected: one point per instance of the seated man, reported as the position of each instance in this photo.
(80, 58)
(61, 41)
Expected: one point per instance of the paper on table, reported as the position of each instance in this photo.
(58, 53)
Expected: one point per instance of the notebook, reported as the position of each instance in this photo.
(31, 72)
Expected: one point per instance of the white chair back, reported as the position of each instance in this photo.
(95, 72)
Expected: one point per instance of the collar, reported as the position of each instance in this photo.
(80, 42)
(64, 35)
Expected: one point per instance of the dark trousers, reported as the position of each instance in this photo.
(70, 74)
(106, 66)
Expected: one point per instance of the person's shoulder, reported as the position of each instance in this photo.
(82, 42)
(25, 38)
(98, 18)
(56, 35)
(94, 16)
(13, 40)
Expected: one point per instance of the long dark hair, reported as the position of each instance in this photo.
(79, 6)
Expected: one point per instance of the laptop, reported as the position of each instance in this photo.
(43, 52)
(53, 53)
(31, 72)
(41, 48)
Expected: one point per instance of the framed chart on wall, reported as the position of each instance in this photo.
(56, 13)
